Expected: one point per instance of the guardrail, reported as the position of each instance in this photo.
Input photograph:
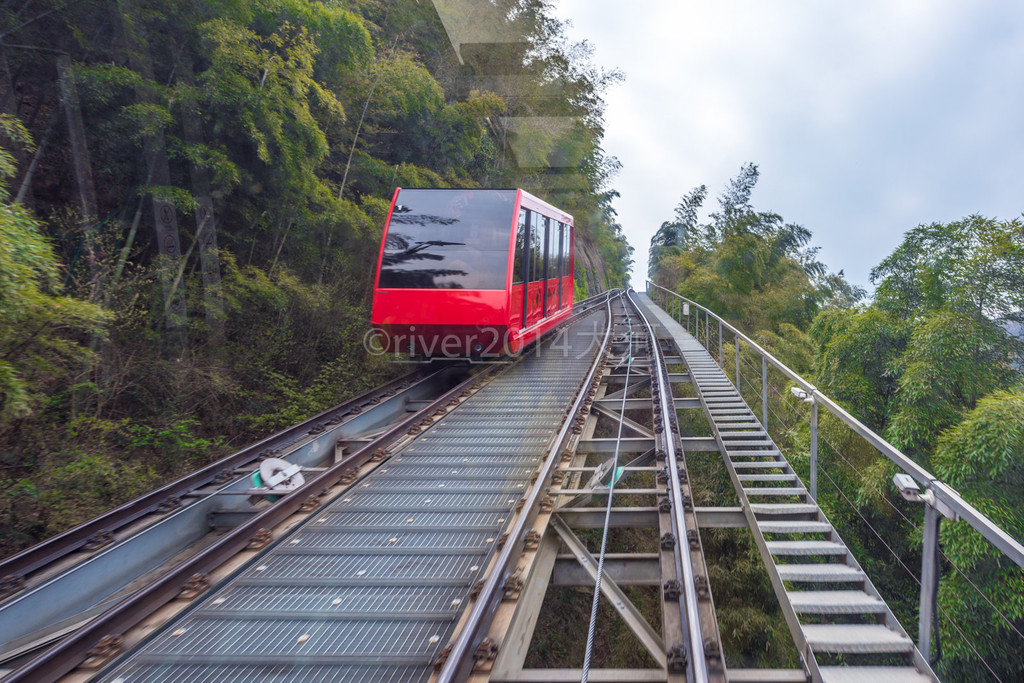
(939, 498)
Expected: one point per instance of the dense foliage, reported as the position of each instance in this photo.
(749, 266)
(934, 363)
(186, 262)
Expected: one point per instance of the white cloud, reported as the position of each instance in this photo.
(866, 118)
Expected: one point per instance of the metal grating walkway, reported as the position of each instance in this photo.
(371, 587)
(822, 589)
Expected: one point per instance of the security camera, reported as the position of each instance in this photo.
(801, 394)
(907, 486)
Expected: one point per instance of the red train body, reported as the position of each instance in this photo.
(471, 273)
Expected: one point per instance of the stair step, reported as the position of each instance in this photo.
(819, 573)
(754, 454)
(806, 548)
(741, 435)
(835, 602)
(783, 508)
(774, 491)
(794, 527)
(766, 477)
(764, 442)
(859, 674)
(760, 465)
(855, 638)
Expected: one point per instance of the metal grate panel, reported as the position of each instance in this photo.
(370, 588)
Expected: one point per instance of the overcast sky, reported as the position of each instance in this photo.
(866, 118)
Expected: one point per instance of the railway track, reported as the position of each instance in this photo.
(166, 582)
(436, 539)
(56, 586)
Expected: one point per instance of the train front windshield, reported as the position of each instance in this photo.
(448, 239)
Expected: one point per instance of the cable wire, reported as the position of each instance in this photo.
(963, 635)
(591, 629)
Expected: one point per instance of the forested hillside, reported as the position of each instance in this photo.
(933, 363)
(191, 200)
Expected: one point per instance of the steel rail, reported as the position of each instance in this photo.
(459, 663)
(592, 627)
(688, 598)
(944, 494)
(69, 653)
(62, 545)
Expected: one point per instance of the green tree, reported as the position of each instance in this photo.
(855, 352)
(932, 365)
(937, 331)
(39, 329)
(953, 358)
(747, 265)
(983, 458)
(975, 264)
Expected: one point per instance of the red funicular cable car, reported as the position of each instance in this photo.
(465, 273)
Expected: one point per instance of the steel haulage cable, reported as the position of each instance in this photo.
(608, 511)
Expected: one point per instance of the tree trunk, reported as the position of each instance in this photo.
(80, 162)
(206, 224)
(165, 215)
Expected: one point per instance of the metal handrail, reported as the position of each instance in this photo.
(945, 495)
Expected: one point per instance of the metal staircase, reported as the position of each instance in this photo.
(833, 611)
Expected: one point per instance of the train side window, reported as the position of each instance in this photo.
(536, 248)
(560, 268)
(518, 272)
(568, 250)
(548, 265)
(562, 254)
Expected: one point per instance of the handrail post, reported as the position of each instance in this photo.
(814, 447)
(721, 351)
(929, 580)
(738, 388)
(764, 393)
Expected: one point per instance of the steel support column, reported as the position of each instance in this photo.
(764, 392)
(814, 449)
(738, 387)
(929, 580)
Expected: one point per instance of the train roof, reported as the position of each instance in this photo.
(528, 200)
